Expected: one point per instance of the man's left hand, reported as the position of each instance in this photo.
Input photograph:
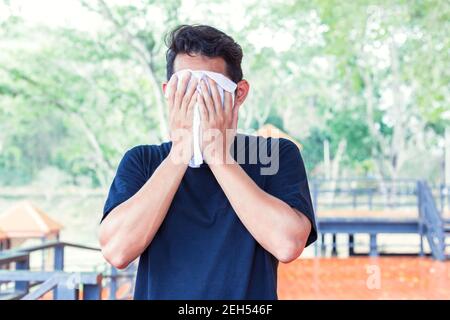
(219, 123)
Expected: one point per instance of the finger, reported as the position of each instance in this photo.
(181, 89)
(171, 89)
(215, 96)
(192, 102)
(188, 96)
(204, 114)
(207, 99)
(227, 103)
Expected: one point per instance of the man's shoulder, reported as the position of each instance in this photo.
(148, 152)
(143, 148)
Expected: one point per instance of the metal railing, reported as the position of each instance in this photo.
(373, 193)
(431, 220)
(64, 285)
(422, 211)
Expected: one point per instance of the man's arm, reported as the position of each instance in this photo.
(279, 228)
(130, 227)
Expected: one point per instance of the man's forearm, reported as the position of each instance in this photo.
(130, 227)
(279, 228)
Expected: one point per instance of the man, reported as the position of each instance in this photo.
(219, 230)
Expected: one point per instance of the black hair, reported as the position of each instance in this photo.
(207, 41)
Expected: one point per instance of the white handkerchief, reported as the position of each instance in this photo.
(223, 84)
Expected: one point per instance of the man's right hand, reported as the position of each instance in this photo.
(181, 105)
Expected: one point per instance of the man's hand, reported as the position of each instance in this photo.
(181, 104)
(219, 123)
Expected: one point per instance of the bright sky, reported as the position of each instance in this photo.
(70, 13)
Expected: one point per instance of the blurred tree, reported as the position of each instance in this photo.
(366, 80)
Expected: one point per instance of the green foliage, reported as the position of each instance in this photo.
(371, 73)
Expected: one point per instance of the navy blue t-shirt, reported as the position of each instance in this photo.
(202, 250)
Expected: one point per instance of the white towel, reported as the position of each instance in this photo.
(223, 84)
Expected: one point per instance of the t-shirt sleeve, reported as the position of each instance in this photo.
(129, 179)
(290, 182)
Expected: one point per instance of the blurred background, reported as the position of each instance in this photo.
(361, 86)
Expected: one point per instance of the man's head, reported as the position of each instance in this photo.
(202, 47)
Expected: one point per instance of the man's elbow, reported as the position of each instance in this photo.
(290, 250)
(112, 253)
(294, 240)
(116, 258)
(118, 263)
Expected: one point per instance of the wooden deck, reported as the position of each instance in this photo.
(360, 213)
(334, 278)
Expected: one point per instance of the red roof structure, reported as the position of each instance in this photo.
(25, 220)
